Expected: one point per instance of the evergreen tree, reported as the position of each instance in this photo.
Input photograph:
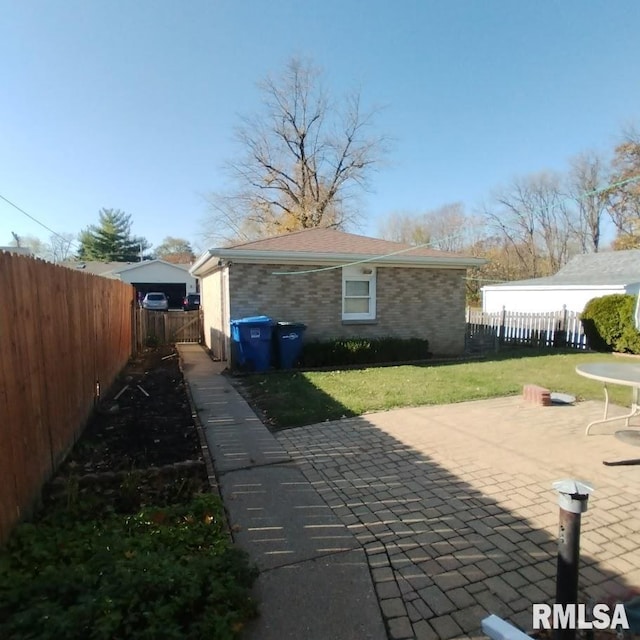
(111, 240)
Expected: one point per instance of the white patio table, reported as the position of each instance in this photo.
(623, 373)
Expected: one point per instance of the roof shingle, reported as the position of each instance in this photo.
(608, 267)
(332, 241)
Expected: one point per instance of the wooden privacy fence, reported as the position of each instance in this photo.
(64, 336)
(167, 327)
(551, 329)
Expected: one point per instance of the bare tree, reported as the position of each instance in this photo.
(58, 249)
(532, 214)
(586, 179)
(303, 159)
(452, 228)
(404, 227)
(447, 228)
(61, 247)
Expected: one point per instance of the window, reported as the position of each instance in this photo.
(358, 293)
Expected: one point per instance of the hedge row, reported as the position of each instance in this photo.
(358, 351)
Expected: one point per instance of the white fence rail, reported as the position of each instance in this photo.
(552, 329)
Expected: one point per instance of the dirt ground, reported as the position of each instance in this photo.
(149, 424)
(141, 446)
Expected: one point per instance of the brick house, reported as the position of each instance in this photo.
(339, 284)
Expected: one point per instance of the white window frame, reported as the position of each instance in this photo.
(359, 273)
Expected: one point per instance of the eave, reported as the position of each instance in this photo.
(209, 260)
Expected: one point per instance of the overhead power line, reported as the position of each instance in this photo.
(55, 233)
(430, 244)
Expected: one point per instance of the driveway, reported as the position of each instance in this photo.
(455, 509)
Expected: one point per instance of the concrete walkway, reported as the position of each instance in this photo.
(315, 582)
(433, 517)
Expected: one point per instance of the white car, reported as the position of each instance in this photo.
(155, 301)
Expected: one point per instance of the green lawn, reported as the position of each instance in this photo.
(294, 399)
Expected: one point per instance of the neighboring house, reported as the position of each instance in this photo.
(346, 286)
(583, 278)
(174, 280)
(22, 251)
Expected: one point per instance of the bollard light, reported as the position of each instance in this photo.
(573, 500)
(573, 495)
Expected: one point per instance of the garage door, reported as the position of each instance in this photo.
(174, 292)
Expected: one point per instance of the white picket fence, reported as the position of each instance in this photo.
(552, 329)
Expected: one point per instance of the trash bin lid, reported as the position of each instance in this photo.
(253, 320)
(292, 325)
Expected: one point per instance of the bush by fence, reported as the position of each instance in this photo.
(609, 324)
(64, 336)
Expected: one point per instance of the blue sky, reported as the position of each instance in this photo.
(132, 105)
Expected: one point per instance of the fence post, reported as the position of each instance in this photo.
(560, 337)
(134, 328)
(548, 329)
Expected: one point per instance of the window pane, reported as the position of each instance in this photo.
(357, 288)
(356, 305)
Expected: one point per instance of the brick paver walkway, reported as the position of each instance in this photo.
(454, 507)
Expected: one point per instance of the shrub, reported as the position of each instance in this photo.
(609, 325)
(358, 351)
(167, 572)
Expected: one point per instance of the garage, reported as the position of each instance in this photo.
(175, 292)
(174, 280)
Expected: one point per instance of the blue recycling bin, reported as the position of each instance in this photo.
(289, 343)
(252, 337)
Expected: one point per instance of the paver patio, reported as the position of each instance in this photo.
(455, 510)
